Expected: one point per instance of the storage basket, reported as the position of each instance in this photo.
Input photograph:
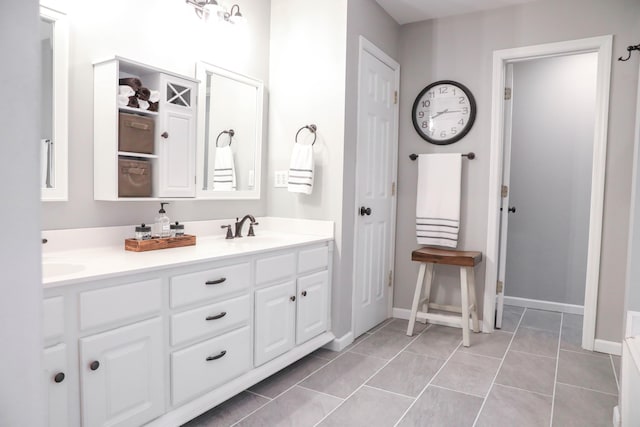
(135, 133)
(134, 177)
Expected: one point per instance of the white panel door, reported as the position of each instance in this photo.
(275, 321)
(55, 376)
(311, 316)
(375, 176)
(122, 375)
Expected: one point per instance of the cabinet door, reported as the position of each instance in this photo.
(275, 321)
(177, 130)
(122, 377)
(55, 376)
(311, 318)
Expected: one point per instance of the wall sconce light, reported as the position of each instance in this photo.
(207, 8)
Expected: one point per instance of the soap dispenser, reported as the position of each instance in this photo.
(162, 222)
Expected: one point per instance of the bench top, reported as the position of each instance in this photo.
(447, 256)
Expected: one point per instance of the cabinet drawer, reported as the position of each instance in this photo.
(119, 303)
(208, 284)
(313, 259)
(205, 366)
(53, 318)
(210, 319)
(275, 268)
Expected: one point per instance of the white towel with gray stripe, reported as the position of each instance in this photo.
(438, 199)
(301, 169)
(224, 170)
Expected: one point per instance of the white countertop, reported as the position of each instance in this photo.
(73, 256)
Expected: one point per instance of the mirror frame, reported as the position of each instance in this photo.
(60, 104)
(202, 70)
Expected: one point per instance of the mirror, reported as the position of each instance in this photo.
(229, 134)
(53, 134)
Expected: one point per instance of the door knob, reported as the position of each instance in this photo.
(512, 209)
(365, 211)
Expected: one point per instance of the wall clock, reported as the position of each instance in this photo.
(443, 112)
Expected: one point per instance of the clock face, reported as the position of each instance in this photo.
(443, 112)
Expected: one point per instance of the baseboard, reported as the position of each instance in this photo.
(610, 347)
(544, 305)
(341, 343)
(616, 416)
(405, 314)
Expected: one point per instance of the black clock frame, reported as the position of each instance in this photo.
(472, 113)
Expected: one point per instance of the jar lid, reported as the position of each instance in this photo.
(143, 228)
(177, 226)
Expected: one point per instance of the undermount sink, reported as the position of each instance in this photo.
(60, 268)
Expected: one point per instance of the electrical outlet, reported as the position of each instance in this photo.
(281, 179)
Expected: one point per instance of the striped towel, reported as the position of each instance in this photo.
(224, 171)
(301, 169)
(438, 199)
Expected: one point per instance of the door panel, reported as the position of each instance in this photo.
(274, 321)
(311, 316)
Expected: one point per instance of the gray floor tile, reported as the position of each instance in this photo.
(510, 320)
(229, 412)
(577, 407)
(541, 319)
(536, 341)
(528, 372)
(384, 344)
(616, 366)
(407, 374)
(368, 407)
(468, 373)
(400, 325)
(289, 376)
(298, 407)
(379, 325)
(493, 345)
(437, 341)
(585, 370)
(508, 406)
(326, 354)
(439, 407)
(356, 342)
(513, 309)
(571, 338)
(344, 375)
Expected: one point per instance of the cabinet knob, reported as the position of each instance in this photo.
(59, 377)
(165, 135)
(292, 298)
(94, 365)
(304, 293)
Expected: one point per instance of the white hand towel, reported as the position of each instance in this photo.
(123, 100)
(154, 96)
(301, 169)
(224, 170)
(126, 91)
(438, 199)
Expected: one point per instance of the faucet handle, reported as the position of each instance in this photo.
(251, 233)
(229, 233)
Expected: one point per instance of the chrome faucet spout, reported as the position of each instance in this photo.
(240, 223)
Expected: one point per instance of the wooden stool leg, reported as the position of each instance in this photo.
(427, 289)
(471, 279)
(416, 299)
(464, 296)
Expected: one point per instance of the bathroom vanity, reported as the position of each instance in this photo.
(160, 337)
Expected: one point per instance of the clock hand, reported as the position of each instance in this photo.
(439, 113)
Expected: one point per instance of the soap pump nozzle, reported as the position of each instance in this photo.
(162, 207)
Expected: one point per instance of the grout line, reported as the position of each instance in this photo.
(523, 389)
(389, 391)
(590, 389)
(534, 354)
(493, 382)
(374, 374)
(252, 412)
(615, 374)
(555, 378)
(458, 391)
(258, 394)
(319, 392)
(368, 355)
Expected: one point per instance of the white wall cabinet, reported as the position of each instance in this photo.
(122, 375)
(56, 380)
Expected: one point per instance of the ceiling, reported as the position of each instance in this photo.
(406, 11)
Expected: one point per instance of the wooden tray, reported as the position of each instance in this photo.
(159, 243)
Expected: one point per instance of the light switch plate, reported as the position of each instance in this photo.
(281, 178)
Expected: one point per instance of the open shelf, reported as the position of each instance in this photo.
(137, 111)
(141, 155)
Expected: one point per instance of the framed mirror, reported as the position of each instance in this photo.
(54, 105)
(229, 147)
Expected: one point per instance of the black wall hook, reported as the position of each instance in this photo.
(629, 49)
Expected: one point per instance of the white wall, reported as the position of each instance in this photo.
(22, 401)
(551, 157)
(164, 34)
(460, 48)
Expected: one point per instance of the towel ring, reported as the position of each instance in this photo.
(231, 133)
(312, 129)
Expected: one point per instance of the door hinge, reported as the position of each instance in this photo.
(390, 278)
(507, 93)
(395, 97)
(393, 188)
(499, 287)
(505, 191)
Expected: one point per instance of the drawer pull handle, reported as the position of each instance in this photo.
(304, 293)
(216, 282)
(94, 365)
(217, 316)
(217, 356)
(59, 377)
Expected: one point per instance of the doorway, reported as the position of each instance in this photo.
(376, 172)
(535, 261)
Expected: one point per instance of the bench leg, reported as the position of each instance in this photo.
(472, 296)
(428, 281)
(464, 296)
(416, 299)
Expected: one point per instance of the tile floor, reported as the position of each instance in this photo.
(531, 373)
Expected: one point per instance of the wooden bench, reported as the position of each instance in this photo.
(466, 260)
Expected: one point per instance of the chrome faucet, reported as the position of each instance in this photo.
(240, 223)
